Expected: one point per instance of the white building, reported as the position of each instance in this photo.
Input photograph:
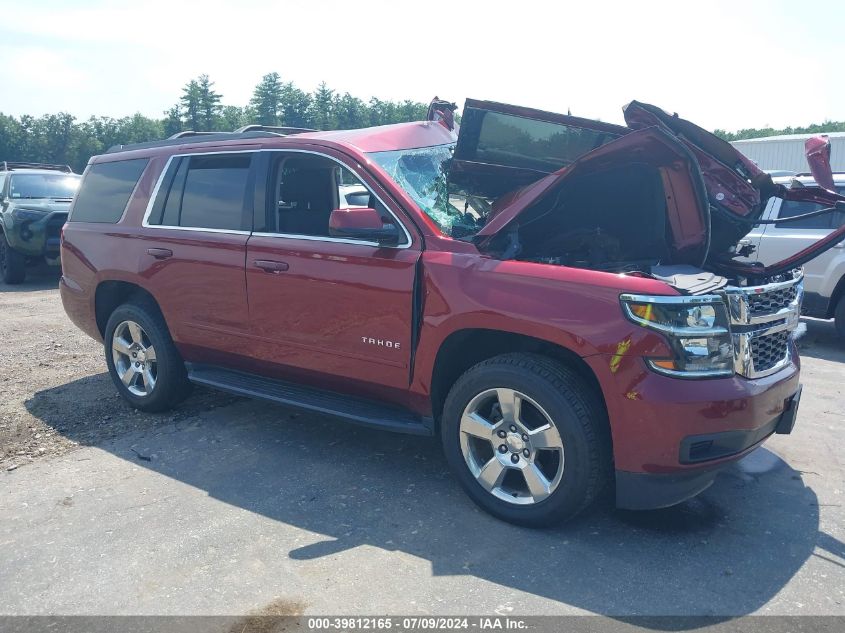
(787, 151)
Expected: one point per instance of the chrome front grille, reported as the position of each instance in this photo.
(769, 302)
(769, 350)
(762, 320)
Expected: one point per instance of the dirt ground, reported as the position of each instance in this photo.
(230, 506)
(43, 350)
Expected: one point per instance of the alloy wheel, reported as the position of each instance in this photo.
(511, 446)
(134, 358)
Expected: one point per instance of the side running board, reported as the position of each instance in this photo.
(366, 412)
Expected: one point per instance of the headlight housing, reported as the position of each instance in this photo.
(697, 329)
(29, 215)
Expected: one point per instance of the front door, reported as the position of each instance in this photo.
(336, 313)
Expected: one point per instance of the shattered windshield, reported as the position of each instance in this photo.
(422, 173)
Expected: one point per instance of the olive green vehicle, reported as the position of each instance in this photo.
(34, 203)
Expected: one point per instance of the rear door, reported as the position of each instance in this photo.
(328, 311)
(196, 229)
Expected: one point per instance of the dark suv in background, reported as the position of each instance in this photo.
(34, 203)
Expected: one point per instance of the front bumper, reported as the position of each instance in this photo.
(648, 491)
(38, 238)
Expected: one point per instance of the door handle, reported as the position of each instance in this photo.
(270, 266)
(160, 253)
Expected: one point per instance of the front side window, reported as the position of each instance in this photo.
(33, 186)
(304, 189)
(106, 189)
(204, 192)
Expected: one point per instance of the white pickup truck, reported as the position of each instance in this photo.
(824, 276)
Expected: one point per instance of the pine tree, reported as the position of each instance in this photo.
(296, 107)
(322, 108)
(172, 121)
(267, 100)
(209, 103)
(350, 112)
(191, 104)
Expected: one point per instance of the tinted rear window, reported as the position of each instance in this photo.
(106, 189)
(206, 192)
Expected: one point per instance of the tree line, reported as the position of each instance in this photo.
(62, 138)
(813, 128)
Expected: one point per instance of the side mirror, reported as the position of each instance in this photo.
(817, 151)
(361, 223)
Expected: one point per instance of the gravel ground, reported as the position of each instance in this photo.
(228, 506)
(42, 351)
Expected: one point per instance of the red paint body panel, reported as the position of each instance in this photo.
(307, 321)
(653, 413)
(310, 319)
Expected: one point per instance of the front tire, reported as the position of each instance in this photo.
(12, 263)
(143, 362)
(527, 439)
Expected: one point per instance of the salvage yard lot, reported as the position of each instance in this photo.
(227, 506)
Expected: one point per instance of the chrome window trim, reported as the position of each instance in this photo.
(318, 238)
(315, 238)
(154, 195)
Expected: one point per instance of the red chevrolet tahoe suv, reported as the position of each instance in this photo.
(559, 299)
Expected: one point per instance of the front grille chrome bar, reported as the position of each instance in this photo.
(757, 312)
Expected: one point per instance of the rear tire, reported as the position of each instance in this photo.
(143, 362)
(12, 263)
(839, 316)
(554, 464)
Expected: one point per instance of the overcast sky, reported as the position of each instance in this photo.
(721, 64)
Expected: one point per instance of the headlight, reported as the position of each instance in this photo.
(696, 328)
(28, 215)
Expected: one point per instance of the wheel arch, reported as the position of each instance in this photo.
(112, 293)
(836, 295)
(465, 348)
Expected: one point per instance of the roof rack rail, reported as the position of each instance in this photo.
(284, 130)
(9, 166)
(806, 174)
(186, 136)
(192, 133)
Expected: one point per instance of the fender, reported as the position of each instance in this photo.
(540, 301)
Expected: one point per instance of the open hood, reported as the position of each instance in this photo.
(517, 156)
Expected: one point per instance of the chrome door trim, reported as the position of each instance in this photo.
(316, 238)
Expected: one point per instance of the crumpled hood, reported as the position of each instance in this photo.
(727, 192)
(737, 190)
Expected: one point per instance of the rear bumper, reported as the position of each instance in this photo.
(79, 308)
(647, 491)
